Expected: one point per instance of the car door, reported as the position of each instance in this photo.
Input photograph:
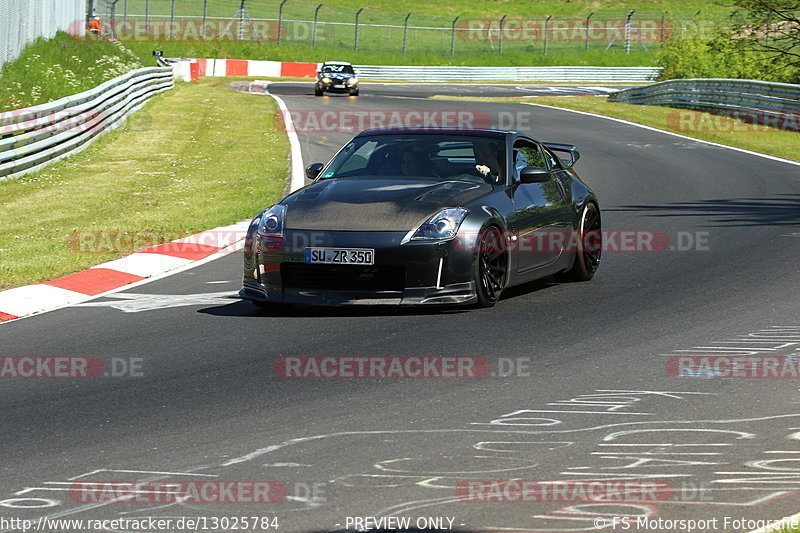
(542, 218)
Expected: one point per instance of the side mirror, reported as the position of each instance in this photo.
(569, 149)
(313, 170)
(534, 175)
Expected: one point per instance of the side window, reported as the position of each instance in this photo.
(527, 155)
(552, 160)
(358, 159)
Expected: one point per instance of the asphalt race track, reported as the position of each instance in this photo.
(580, 387)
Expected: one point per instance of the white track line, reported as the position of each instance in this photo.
(629, 123)
(298, 179)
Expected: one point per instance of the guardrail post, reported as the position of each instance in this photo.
(405, 32)
(355, 42)
(125, 12)
(453, 38)
(663, 21)
(546, 23)
(205, 16)
(314, 31)
(586, 46)
(280, 21)
(172, 20)
(500, 39)
(147, 16)
(628, 31)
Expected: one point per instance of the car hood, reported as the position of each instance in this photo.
(374, 205)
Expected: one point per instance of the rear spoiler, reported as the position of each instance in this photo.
(570, 149)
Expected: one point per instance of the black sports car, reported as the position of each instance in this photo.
(426, 217)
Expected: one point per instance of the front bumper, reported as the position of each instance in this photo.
(414, 273)
(332, 88)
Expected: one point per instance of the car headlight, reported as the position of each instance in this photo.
(271, 224)
(352, 81)
(440, 227)
(326, 79)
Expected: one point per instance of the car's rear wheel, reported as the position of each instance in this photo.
(589, 246)
(491, 267)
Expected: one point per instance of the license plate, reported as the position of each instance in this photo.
(340, 256)
(339, 85)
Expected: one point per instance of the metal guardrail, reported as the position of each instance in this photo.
(452, 73)
(752, 97)
(34, 137)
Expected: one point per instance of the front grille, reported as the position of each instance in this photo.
(343, 277)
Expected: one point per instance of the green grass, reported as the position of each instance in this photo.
(49, 69)
(384, 45)
(382, 10)
(194, 158)
(300, 52)
(697, 124)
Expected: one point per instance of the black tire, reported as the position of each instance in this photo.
(317, 91)
(354, 93)
(590, 246)
(491, 266)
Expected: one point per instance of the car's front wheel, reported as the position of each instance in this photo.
(491, 266)
(317, 91)
(354, 93)
(589, 246)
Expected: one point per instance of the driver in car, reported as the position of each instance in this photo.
(487, 160)
(413, 163)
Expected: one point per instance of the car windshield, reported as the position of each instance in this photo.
(433, 157)
(343, 69)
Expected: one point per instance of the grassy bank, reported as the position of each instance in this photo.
(697, 124)
(428, 38)
(49, 69)
(391, 55)
(194, 158)
(343, 10)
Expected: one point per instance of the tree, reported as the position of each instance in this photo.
(771, 28)
(701, 51)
